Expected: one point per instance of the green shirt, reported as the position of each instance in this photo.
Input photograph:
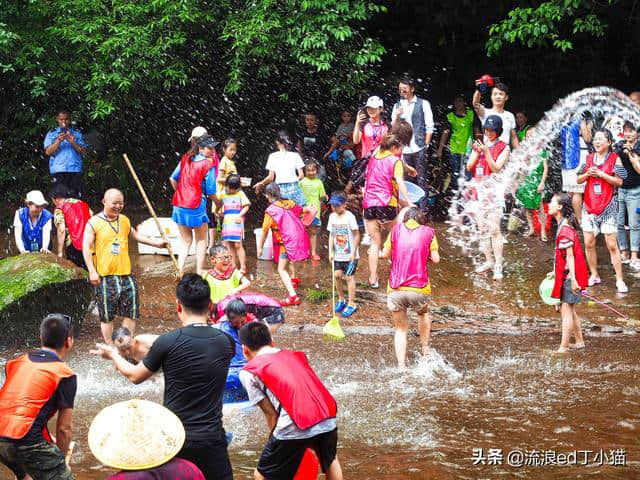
(313, 190)
(461, 130)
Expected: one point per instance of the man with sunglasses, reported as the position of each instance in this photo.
(38, 385)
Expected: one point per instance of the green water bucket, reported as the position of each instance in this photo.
(545, 289)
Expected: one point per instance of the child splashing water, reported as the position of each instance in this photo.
(313, 190)
(486, 159)
(570, 269)
(290, 241)
(235, 205)
(223, 279)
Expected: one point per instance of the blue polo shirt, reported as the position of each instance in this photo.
(65, 159)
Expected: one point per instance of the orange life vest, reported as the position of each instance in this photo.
(28, 386)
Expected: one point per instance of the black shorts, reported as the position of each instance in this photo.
(347, 268)
(212, 460)
(71, 180)
(117, 295)
(382, 214)
(271, 315)
(281, 459)
(74, 255)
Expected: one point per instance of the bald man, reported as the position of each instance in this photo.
(635, 97)
(105, 249)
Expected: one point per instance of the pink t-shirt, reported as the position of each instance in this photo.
(372, 136)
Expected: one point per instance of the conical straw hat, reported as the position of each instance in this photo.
(135, 435)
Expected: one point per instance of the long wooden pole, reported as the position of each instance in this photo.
(152, 211)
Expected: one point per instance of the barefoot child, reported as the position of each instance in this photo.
(313, 190)
(223, 278)
(344, 242)
(235, 205)
(290, 241)
(571, 274)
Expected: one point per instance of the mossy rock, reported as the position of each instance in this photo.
(34, 285)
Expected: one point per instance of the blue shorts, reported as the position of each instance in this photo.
(316, 222)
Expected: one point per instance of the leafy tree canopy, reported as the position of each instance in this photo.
(556, 23)
(111, 53)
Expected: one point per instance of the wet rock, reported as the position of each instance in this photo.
(33, 285)
(449, 310)
(611, 329)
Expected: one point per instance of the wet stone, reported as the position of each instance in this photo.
(34, 285)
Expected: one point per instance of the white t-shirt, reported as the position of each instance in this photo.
(508, 123)
(285, 429)
(284, 164)
(341, 228)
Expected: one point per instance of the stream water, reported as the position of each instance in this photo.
(492, 382)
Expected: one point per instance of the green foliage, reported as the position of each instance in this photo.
(317, 296)
(108, 55)
(555, 23)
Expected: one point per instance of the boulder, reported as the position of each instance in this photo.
(33, 285)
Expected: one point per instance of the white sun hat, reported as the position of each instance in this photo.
(135, 435)
(36, 197)
(197, 132)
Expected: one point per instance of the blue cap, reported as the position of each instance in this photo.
(337, 199)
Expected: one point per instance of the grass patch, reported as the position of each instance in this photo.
(316, 295)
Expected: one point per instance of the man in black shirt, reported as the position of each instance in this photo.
(37, 386)
(195, 361)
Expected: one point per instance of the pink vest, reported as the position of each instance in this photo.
(294, 236)
(378, 188)
(409, 255)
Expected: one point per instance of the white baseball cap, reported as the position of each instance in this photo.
(197, 132)
(375, 102)
(36, 197)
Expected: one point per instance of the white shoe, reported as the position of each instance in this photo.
(497, 271)
(594, 281)
(366, 240)
(625, 260)
(486, 266)
(622, 287)
(634, 264)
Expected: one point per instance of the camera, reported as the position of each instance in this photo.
(486, 82)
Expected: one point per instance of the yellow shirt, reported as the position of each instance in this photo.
(426, 290)
(222, 288)
(226, 168)
(111, 245)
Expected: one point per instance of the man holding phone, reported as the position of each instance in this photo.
(65, 147)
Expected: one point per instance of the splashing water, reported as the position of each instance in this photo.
(487, 201)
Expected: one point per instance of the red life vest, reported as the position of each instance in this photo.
(76, 216)
(296, 386)
(482, 169)
(599, 193)
(28, 386)
(409, 256)
(189, 192)
(567, 232)
(294, 235)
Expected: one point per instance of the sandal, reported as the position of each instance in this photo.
(340, 304)
(315, 257)
(296, 282)
(290, 301)
(350, 310)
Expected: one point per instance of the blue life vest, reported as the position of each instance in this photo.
(32, 235)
